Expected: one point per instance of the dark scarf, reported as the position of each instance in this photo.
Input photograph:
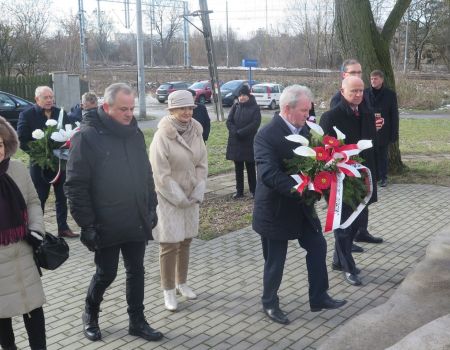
(13, 209)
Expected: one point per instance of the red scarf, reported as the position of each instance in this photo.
(13, 209)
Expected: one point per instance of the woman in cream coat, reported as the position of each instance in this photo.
(180, 166)
(21, 290)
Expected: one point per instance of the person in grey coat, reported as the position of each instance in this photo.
(243, 122)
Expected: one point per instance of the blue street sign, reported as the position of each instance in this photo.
(246, 62)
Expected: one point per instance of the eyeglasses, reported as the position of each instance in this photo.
(354, 72)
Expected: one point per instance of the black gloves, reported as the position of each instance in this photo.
(154, 219)
(88, 237)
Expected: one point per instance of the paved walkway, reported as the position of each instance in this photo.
(226, 273)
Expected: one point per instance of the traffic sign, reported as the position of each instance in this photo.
(247, 62)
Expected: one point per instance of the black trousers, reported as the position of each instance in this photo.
(382, 161)
(43, 189)
(251, 176)
(343, 238)
(106, 261)
(35, 326)
(274, 252)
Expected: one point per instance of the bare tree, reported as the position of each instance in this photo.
(30, 19)
(99, 36)
(314, 22)
(67, 39)
(424, 16)
(359, 37)
(7, 51)
(440, 38)
(165, 15)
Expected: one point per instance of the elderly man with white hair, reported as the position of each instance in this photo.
(35, 118)
(280, 215)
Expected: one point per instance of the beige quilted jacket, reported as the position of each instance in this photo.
(20, 285)
(180, 175)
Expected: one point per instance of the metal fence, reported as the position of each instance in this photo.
(24, 86)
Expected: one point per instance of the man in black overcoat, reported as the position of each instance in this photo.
(352, 68)
(280, 214)
(384, 105)
(352, 118)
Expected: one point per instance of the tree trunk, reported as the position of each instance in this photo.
(359, 38)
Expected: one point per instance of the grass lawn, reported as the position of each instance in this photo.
(428, 139)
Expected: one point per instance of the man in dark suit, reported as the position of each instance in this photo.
(352, 118)
(352, 68)
(280, 214)
(30, 120)
(384, 104)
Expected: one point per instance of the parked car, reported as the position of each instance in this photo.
(203, 92)
(230, 91)
(11, 106)
(165, 89)
(267, 94)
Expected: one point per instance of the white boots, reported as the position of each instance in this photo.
(186, 291)
(170, 298)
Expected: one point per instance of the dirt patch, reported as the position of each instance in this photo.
(221, 215)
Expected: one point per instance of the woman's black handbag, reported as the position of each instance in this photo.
(49, 251)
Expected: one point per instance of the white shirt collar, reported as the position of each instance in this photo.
(291, 127)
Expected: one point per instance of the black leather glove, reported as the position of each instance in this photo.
(88, 237)
(154, 219)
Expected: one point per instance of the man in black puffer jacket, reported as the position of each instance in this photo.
(112, 198)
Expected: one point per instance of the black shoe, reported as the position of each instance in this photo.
(143, 330)
(352, 278)
(329, 303)
(238, 195)
(276, 315)
(337, 267)
(383, 183)
(91, 329)
(10, 347)
(368, 238)
(357, 248)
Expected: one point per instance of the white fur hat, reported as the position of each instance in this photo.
(179, 99)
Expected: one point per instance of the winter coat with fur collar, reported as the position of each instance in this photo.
(180, 172)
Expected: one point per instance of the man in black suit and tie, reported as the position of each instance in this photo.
(352, 117)
(279, 213)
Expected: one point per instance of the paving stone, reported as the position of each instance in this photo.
(226, 272)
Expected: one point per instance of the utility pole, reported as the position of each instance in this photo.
(82, 38)
(140, 61)
(98, 14)
(204, 13)
(228, 62)
(187, 57)
(267, 27)
(127, 13)
(152, 20)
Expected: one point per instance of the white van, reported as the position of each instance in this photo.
(267, 94)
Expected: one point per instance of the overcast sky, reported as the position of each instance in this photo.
(244, 16)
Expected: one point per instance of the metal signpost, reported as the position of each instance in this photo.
(247, 62)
